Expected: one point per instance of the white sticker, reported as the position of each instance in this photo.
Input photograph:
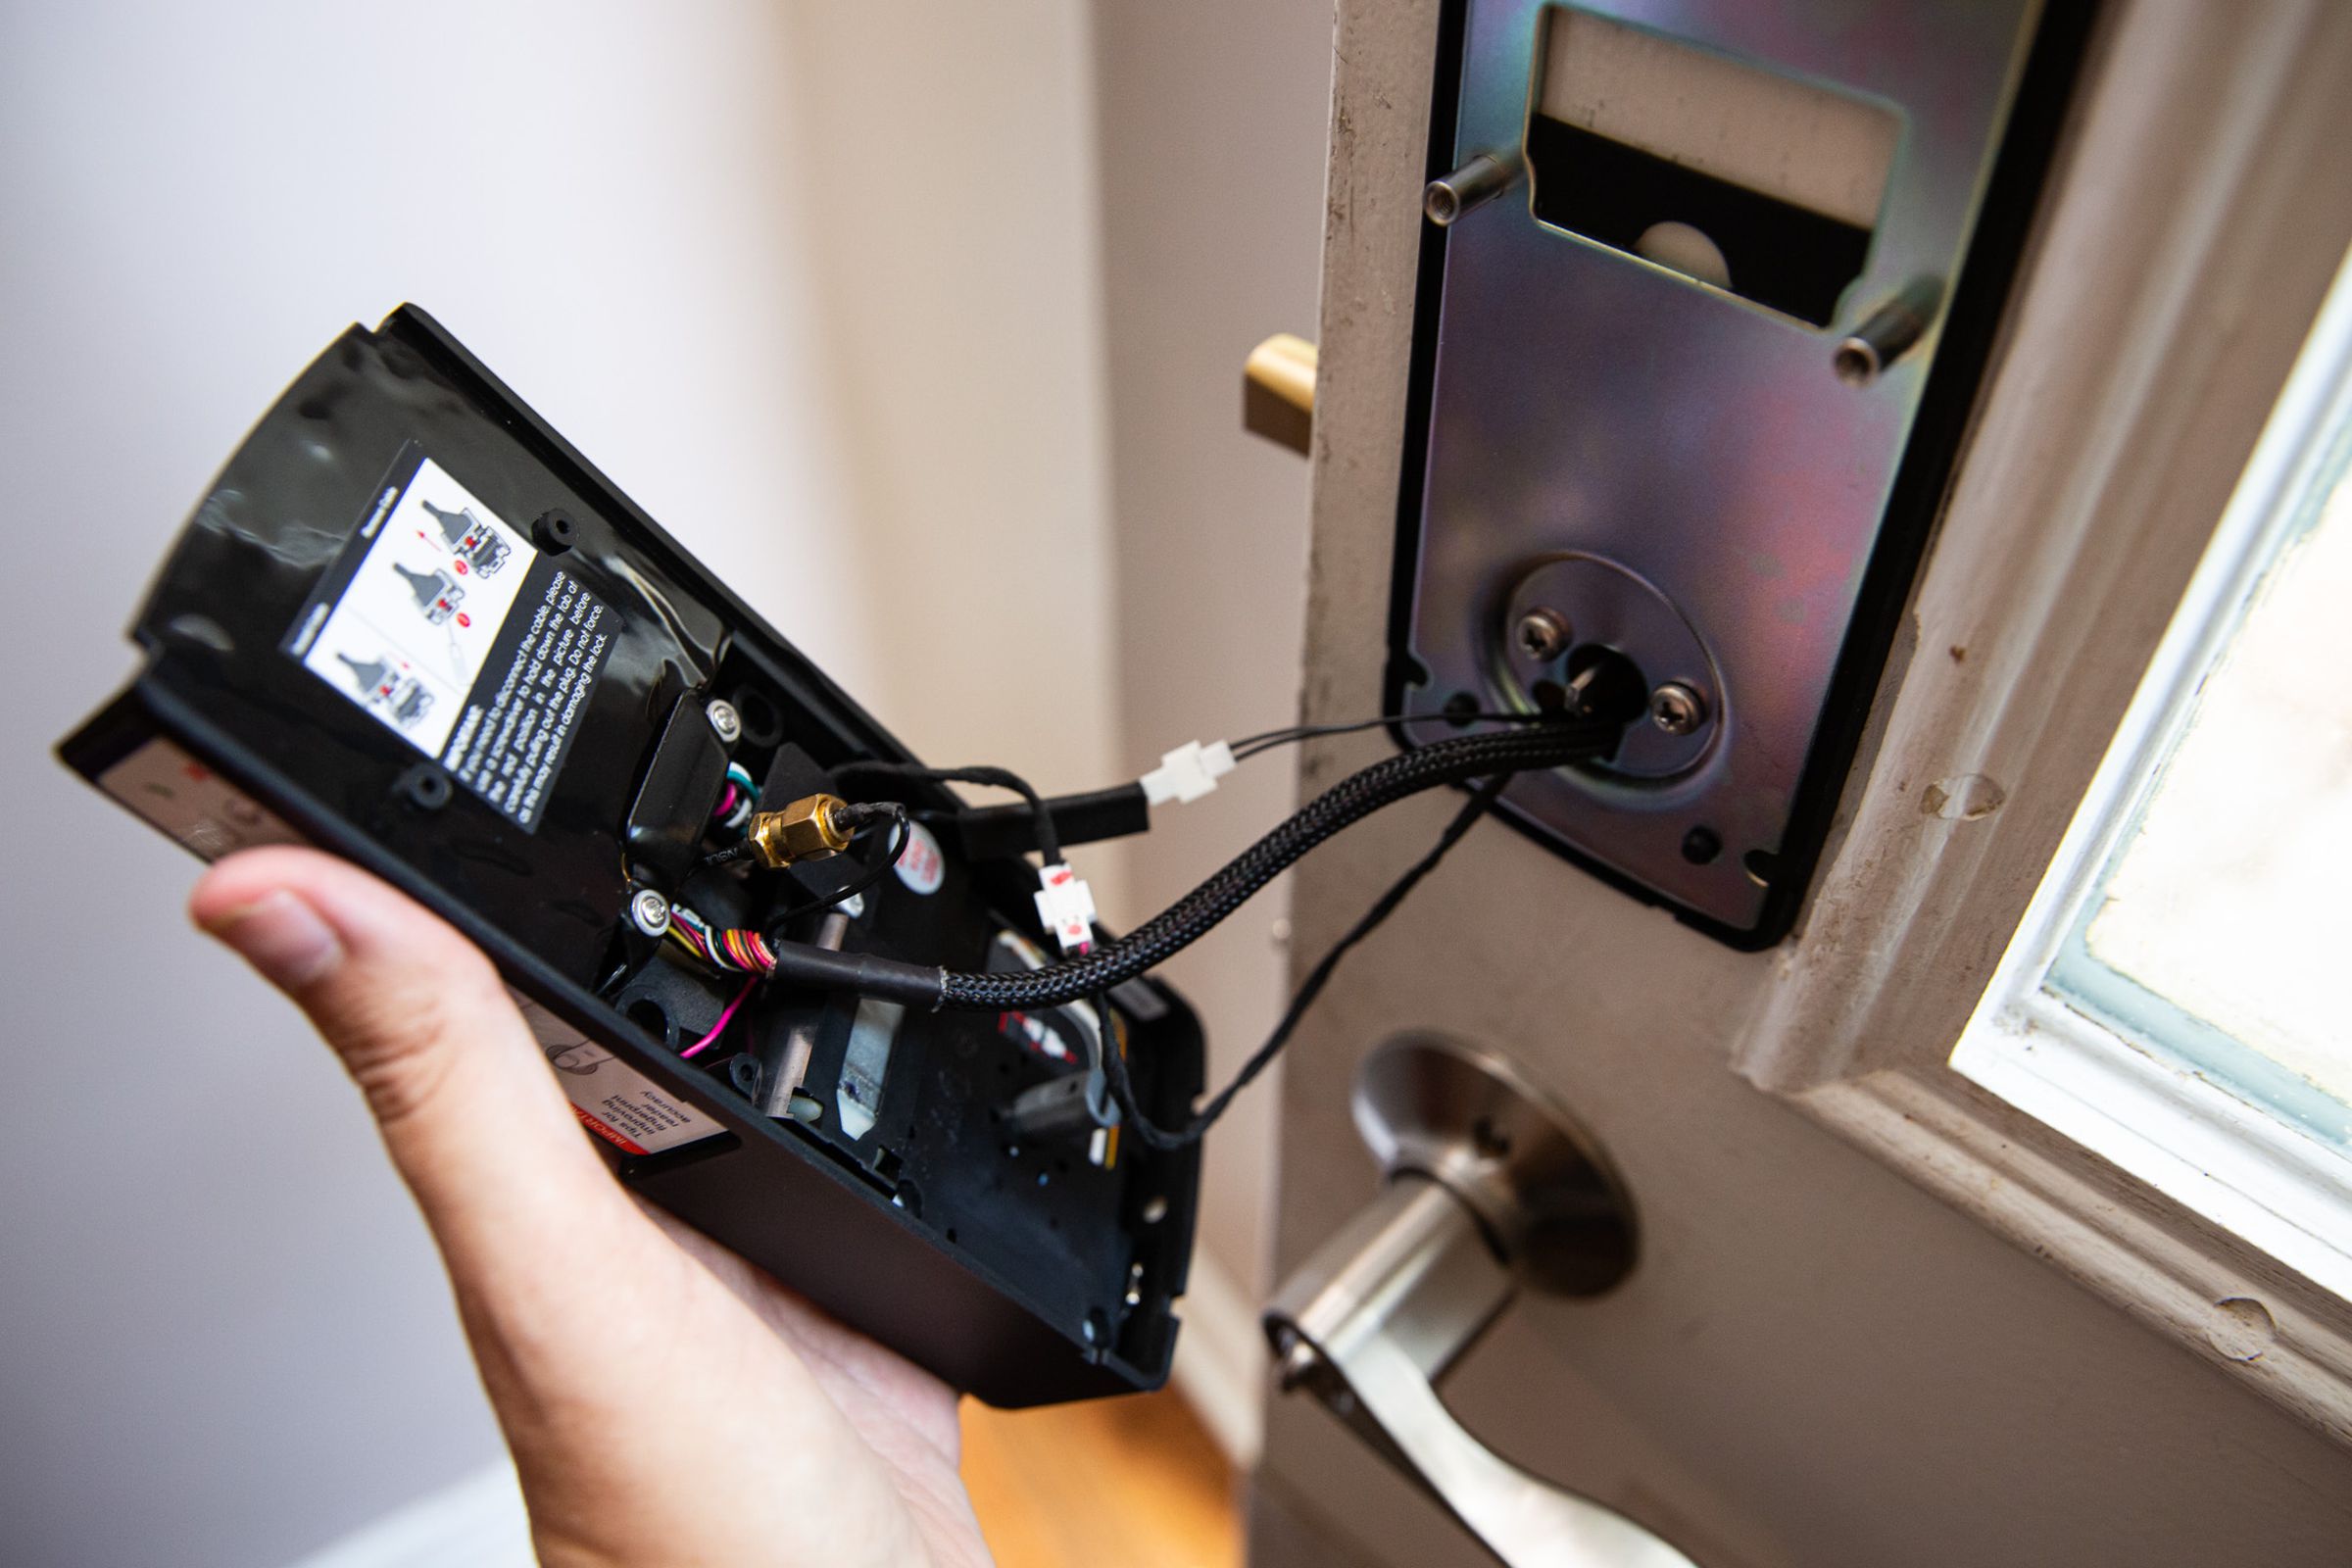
(408, 634)
(198, 807)
(614, 1100)
(922, 867)
(444, 625)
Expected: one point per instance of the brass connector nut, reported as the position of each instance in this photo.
(809, 829)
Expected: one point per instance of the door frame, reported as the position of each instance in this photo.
(2201, 209)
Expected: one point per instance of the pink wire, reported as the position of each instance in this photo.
(719, 1027)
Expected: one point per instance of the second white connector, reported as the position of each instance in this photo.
(1066, 905)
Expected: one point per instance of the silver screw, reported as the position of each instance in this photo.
(725, 720)
(1540, 634)
(1676, 709)
(651, 911)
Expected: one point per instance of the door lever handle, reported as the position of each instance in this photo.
(1489, 1188)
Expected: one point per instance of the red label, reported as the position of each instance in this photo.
(606, 1133)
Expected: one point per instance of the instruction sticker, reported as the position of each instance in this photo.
(614, 1100)
(442, 621)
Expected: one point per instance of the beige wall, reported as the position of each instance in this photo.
(1213, 117)
(948, 182)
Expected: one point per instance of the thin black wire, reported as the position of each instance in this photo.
(1250, 746)
(1456, 761)
(901, 834)
(1049, 838)
(1122, 1086)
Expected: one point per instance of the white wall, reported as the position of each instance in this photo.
(952, 190)
(1212, 117)
(753, 260)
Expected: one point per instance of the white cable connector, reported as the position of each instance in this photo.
(1066, 905)
(1188, 772)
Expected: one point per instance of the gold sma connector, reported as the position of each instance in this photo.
(810, 828)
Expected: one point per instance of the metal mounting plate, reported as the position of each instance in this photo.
(1746, 508)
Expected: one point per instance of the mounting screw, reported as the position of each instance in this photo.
(651, 911)
(1541, 635)
(725, 720)
(1676, 709)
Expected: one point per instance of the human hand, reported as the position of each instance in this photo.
(776, 1436)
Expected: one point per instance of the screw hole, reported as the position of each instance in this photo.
(654, 1018)
(554, 531)
(1701, 845)
(1855, 362)
(763, 725)
(1461, 710)
(426, 787)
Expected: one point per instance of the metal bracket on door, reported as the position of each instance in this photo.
(1706, 292)
(1489, 1188)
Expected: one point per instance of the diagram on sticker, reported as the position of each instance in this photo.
(408, 632)
(389, 685)
(472, 542)
(437, 592)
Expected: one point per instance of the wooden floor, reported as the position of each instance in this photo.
(1134, 1482)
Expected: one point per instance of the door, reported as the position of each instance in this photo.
(1883, 1311)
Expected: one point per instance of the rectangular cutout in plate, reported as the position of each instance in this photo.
(1752, 181)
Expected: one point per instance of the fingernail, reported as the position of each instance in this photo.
(282, 937)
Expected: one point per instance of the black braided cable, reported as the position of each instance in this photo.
(1449, 762)
(1197, 1125)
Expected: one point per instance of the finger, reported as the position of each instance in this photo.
(468, 1111)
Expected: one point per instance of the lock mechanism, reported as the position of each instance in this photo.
(1491, 1189)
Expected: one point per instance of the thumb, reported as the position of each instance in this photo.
(469, 1113)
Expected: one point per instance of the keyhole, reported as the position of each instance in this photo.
(1489, 1140)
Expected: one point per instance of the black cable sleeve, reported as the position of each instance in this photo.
(995, 832)
(1048, 843)
(801, 963)
(1447, 762)
(1122, 1086)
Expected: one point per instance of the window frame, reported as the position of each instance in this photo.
(2201, 208)
(2237, 1163)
